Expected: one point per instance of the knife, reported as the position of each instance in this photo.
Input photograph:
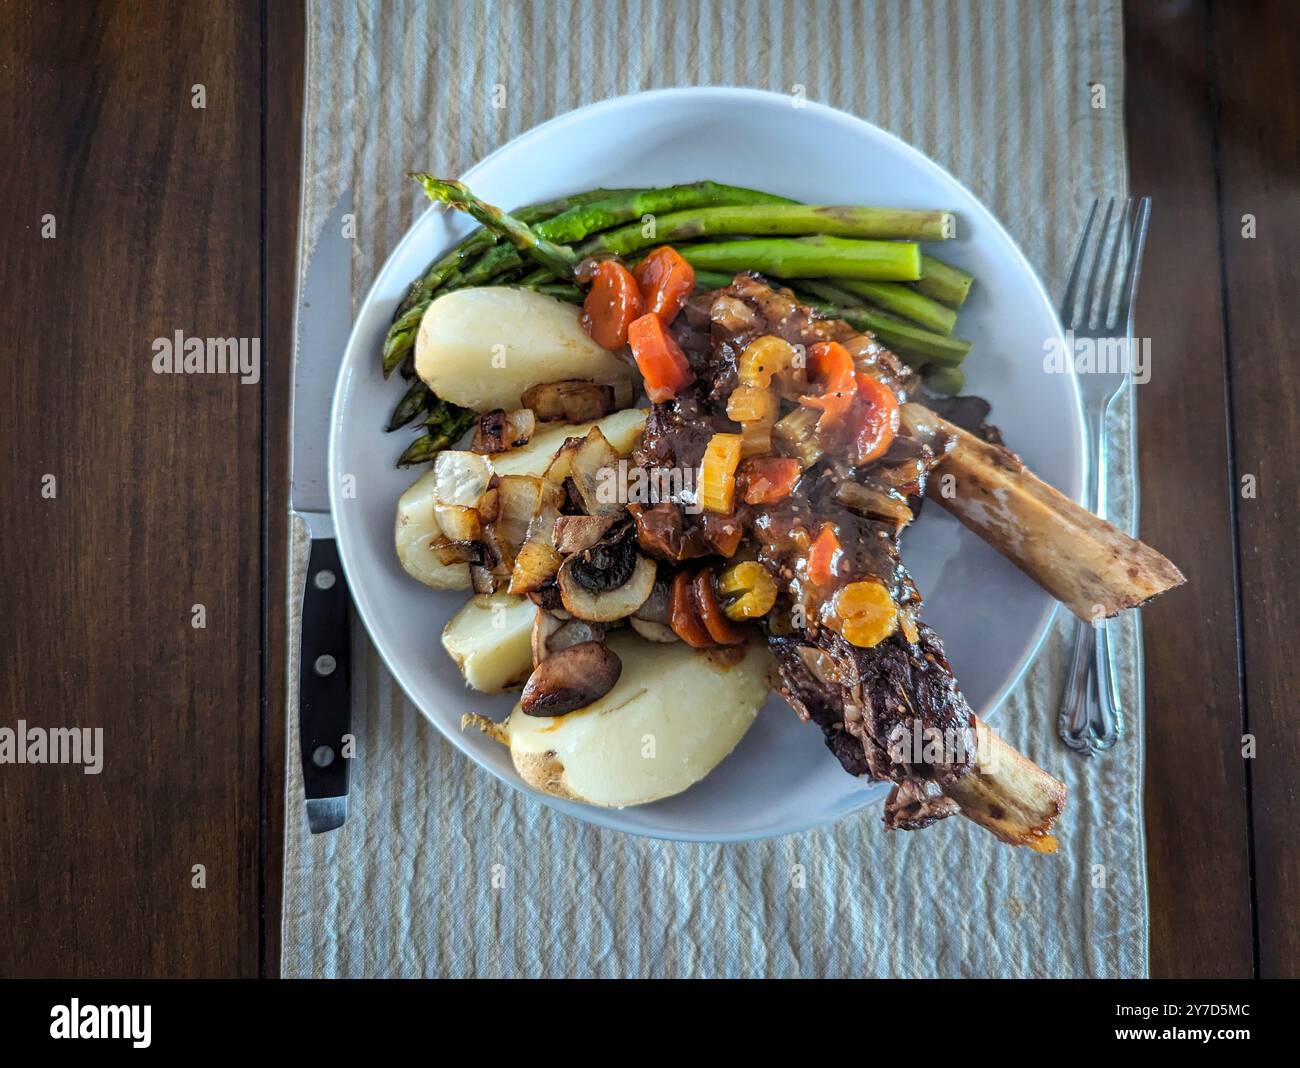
(324, 669)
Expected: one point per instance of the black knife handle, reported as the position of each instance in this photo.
(324, 676)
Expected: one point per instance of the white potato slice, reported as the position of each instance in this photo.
(671, 717)
(482, 348)
(418, 530)
(491, 640)
(621, 430)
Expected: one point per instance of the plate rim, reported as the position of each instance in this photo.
(596, 815)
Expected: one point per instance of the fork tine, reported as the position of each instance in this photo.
(1087, 312)
(1072, 286)
(1137, 242)
(1105, 298)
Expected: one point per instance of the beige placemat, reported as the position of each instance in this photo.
(442, 871)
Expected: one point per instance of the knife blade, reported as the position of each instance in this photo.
(324, 672)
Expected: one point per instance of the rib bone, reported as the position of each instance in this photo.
(1008, 794)
(1088, 565)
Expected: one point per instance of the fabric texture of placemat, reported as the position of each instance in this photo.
(443, 871)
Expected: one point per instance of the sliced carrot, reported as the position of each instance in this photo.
(824, 556)
(875, 418)
(722, 533)
(831, 366)
(720, 628)
(767, 479)
(658, 356)
(867, 613)
(612, 303)
(666, 281)
(683, 616)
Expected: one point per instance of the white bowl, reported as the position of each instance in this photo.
(992, 619)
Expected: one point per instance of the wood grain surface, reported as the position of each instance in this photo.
(284, 55)
(1256, 56)
(172, 489)
(1198, 842)
(157, 211)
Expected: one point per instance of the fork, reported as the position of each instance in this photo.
(1100, 309)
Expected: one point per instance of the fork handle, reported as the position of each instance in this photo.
(1092, 717)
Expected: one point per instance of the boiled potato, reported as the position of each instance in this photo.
(481, 348)
(621, 429)
(491, 641)
(671, 717)
(416, 533)
(418, 529)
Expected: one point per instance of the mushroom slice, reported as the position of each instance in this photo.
(577, 533)
(655, 608)
(544, 625)
(573, 401)
(651, 619)
(604, 605)
(609, 581)
(547, 596)
(570, 679)
(552, 635)
(576, 631)
(653, 632)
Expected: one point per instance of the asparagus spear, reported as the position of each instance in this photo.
(411, 405)
(796, 257)
(441, 269)
(569, 294)
(401, 336)
(903, 300)
(446, 274)
(557, 258)
(481, 240)
(537, 277)
(493, 263)
(918, 347)
(707, 280)
(577, 223)
(771, 219)
(447, 424)
(536, 213)
(947, 380)
(939, 281)
(828, 290)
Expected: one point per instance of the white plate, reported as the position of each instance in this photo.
(992, 619)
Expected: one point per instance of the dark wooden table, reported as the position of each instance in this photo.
(171, 490)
